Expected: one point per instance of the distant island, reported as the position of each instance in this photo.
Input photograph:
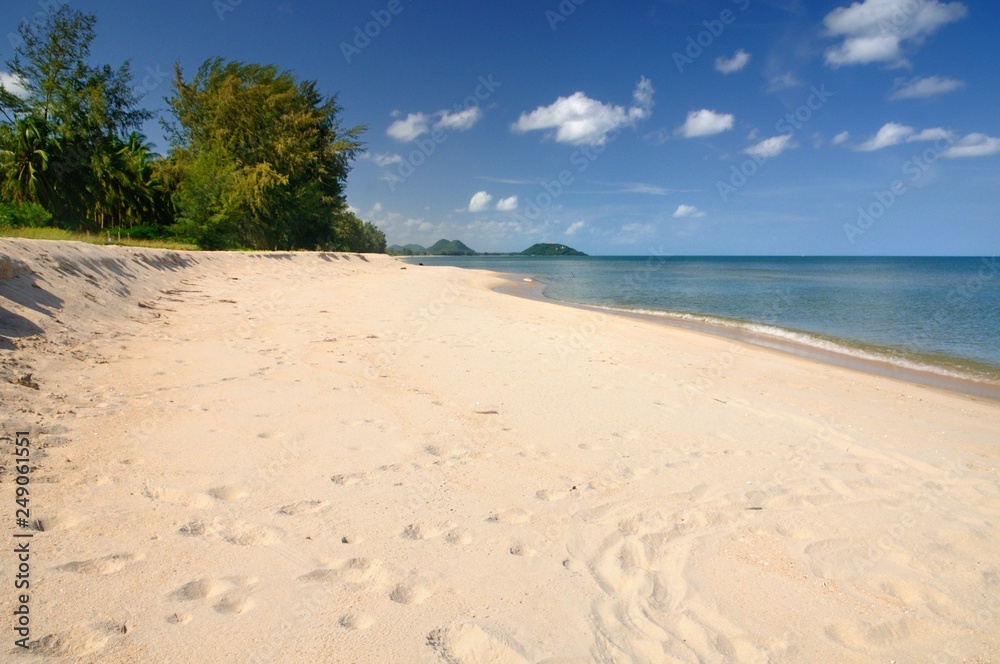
(548, 249)
(458, 248)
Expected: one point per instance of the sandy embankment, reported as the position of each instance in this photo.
(329, 458)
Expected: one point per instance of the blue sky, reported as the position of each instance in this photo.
(652, 126)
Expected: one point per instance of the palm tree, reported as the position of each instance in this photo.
(25, 154)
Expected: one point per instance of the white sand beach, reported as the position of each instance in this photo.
(245, 457)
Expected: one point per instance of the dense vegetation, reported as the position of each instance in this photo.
(457, 248)
(548, 249)
(257, 158)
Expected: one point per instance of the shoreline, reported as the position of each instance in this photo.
(875, 362)
(328, 457)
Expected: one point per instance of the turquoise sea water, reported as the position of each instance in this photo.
(934, 314)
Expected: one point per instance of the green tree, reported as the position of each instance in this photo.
(83, 114)
(260, 159)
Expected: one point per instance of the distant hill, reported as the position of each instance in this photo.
(548, 249)
(449, 248)
(406, 250)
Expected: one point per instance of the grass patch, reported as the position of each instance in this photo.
(59, 234)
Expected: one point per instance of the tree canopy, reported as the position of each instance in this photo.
(258, 159)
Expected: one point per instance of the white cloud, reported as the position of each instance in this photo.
(783, 82)
(684, 211)
(877, 30)
(415, 124)
(924, 87)
(386, 159)
(575, 227)
(507, 204)
(460, 121)
(705, 123)
(580, 120)
(771, 147)
(480, 201)
(729, 65)
(930, 135)
(841, 137)
(891, 133)
(13, 85)
(409, 128)
(974, 145)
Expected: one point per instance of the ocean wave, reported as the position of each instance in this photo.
(783, 338)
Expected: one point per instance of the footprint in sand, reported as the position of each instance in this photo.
(513, 516)
(233, 594)
(200, 589)
(106, 565)
(470, 643)
(229, 492)
(420, 531)
(247, 534)
(409, 592)
(349, 479)
(521, 549)
(63, 520)
(362, 573)
(356, 621)
(234, 603)
(447, 451)
(459, 536)
(239, 533)
(303, 507)
(179, 498)
(550, 495)
(77, 642)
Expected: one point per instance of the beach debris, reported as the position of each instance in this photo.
(487, 412)
(25, 381)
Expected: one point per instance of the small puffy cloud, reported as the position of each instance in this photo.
(643, 96)
(841, 138)
(480, 201)
(409, 128)
(386, 159)
(580, 120)
(726, 65)
(13, 85)
(507, 204)
(924, 87)
(413, 125)
(575, 227)
(973, 145)
(460, 121)
(877, 30)
(783, 82)
(771, 147)
(705, 123)
(685, 211)
(891, 133)
(930, 135)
